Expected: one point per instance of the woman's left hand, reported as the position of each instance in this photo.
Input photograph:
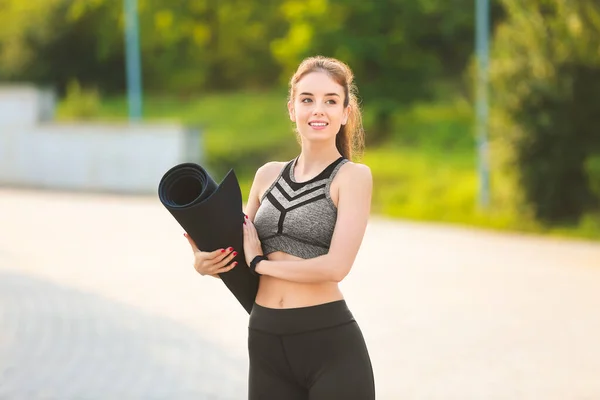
(252, 247)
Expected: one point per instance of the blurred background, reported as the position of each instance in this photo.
(479, 274)
(222, 67)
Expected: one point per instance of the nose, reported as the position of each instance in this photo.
(317, 110)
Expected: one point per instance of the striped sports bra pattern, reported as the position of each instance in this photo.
(298, 218)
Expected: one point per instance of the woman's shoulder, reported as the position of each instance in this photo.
(269, 171)
(355, 171)
(270, 168)
(354, 181)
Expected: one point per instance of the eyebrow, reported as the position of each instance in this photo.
(326, 94)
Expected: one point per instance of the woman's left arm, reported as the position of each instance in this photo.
(354, 206)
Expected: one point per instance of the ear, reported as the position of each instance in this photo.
(345, 115)
(290, 106)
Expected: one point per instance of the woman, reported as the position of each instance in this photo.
(305, 221)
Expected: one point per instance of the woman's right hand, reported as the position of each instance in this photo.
(214, 262)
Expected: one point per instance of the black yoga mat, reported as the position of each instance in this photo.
(212, 215)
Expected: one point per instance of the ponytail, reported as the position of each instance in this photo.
(350, 140)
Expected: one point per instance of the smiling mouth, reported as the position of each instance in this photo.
(318, 124)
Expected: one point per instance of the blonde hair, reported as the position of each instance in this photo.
(350, 140)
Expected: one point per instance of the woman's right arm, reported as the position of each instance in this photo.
(212, 263)
(215, 262)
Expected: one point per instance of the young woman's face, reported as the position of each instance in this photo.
(318, 107)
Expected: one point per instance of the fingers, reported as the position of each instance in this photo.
(218, 265)
(227, 268)
(250, 230)
(213, 255)
(219, 254)
(191, 241)
(214, 262)
(223, 267)
(226, 260)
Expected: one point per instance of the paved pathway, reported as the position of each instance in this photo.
(98, 300)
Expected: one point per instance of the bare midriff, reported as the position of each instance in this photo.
(278, 293)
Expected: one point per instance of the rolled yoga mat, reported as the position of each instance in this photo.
(212, 215)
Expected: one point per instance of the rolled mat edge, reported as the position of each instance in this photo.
(213, 217)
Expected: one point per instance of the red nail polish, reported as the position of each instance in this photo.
(235, 263)
(222, 250)
(246, 216)
(229, 249)
(235, 253)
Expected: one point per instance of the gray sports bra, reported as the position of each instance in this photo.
(298, 218)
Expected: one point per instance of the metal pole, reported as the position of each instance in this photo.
(482, 27)
(132, 59)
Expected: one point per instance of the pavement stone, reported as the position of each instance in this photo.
(61, 343)
(99, 300)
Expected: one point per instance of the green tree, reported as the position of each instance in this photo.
(22, 23)
(546, 90)
(186, 45)
(51, 42)
(399, 49)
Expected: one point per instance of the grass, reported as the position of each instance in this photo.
(431, 186)
(426, 172)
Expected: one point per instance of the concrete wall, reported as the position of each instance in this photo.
(25, 105)
(100, 157)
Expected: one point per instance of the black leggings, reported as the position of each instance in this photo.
(308, 353)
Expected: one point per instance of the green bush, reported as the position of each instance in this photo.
(592, 168)
(545, 76)
(441, 126)
(431, 186)
(79, 103)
